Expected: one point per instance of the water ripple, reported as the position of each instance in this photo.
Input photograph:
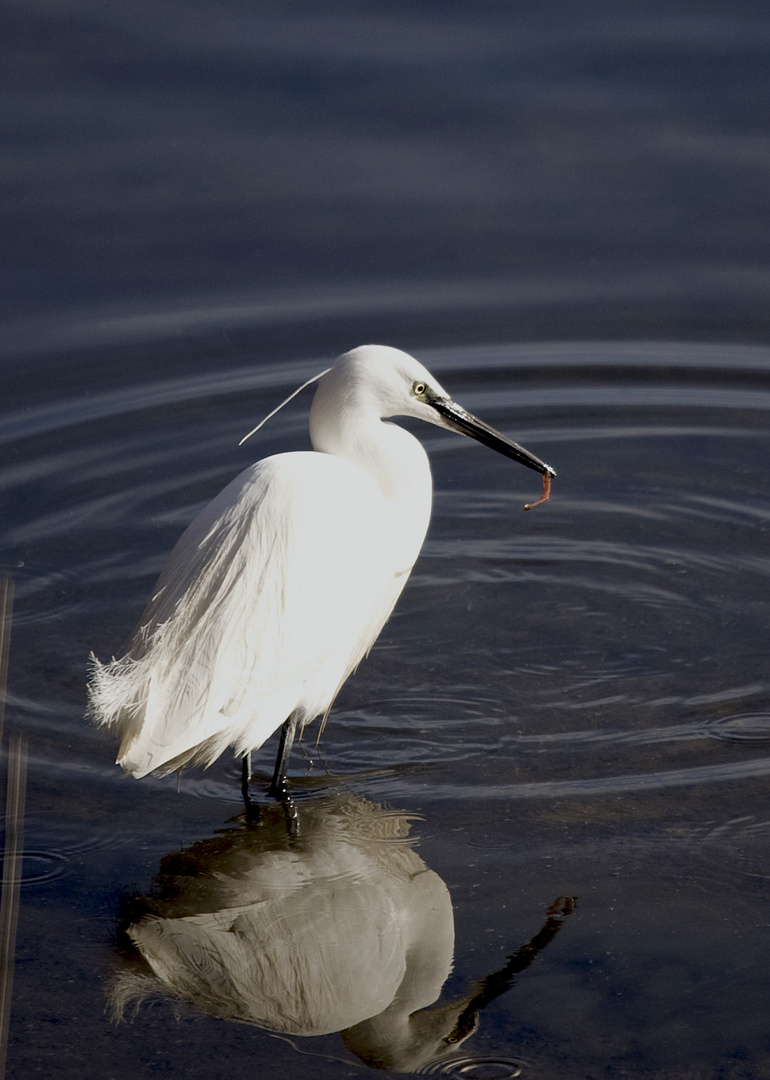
(42, 419)
(741, 728)
(487, 1068)
(591, 787)
(738, 846)
(41, 866)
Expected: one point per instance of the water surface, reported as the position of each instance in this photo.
(572, 702)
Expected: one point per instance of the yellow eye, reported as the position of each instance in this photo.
(419, 389)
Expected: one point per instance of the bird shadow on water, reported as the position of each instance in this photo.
(328, 922)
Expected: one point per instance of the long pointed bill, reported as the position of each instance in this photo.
(457, 419)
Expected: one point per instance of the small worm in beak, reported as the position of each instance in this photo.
(546, 493)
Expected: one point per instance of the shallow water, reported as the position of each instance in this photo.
(573, 702)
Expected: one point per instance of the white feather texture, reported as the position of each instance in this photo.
(282, 584)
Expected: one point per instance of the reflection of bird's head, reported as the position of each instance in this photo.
(403, 1043)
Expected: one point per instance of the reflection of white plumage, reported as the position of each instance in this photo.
(303, 938)
(282, 584)
(341, 928)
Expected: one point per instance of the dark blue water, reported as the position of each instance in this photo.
(558, 169)
(562, 211)
(573, 702)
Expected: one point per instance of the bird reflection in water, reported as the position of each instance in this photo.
(333, 923)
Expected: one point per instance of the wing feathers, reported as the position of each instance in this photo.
(271, 597)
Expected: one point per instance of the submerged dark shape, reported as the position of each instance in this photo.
(334, 924)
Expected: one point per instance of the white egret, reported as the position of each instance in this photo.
(283, 583)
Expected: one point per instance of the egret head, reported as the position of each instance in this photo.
(382, 381)
(376, 379)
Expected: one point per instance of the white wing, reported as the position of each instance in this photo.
(267, 603)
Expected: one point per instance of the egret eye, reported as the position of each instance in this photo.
(419, 389)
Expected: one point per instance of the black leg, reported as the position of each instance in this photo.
(246, 777)
(288, 731)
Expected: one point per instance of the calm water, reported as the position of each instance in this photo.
(569, 703)
(557, 169)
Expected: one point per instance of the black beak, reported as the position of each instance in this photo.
(457, 419)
